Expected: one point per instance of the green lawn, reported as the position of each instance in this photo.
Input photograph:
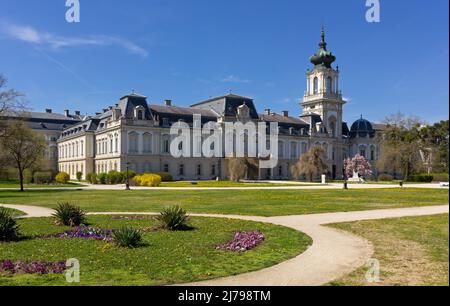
(166, 258)
(227, 184)
(411, 251)
(243, 202)
(16, 184)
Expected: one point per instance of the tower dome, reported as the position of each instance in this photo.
(323, 58)
(362, 128)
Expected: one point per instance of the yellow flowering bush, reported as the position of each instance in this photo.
(62, 178)
(148, 179)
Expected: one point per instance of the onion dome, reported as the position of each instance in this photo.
(323, 58)
(362, 128)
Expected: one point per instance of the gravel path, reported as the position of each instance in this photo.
(334, 253)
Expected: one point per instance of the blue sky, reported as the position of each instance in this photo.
(190, 50)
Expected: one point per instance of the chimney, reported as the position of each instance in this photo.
(267, 111)
(67, 113)
(77, 113)
(48, 110)
(168, 102)
(285, 114)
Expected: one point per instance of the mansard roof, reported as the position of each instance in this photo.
(44, 121)
(129, 102)
(227, 105)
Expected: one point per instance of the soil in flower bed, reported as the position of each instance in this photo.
(243, 241)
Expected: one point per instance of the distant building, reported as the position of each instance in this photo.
(138, 134)
(50, 125)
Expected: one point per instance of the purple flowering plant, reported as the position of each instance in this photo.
(34, 267)
(243, 241)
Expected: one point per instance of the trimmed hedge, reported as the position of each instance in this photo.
(385, 178)
(421, 178)
(440, 177)
(44, 177)
(165, 176)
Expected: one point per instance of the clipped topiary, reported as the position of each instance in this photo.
(69, 215)
(174, 219)
(9, 230)
(79, 176)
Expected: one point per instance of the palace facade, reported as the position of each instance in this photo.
(138, 134)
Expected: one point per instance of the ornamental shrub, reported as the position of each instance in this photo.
(385, 178)
(43, 177)
(9, 230)
(174, 219)
(440, 177)
(92, 178)
(102, 178)
(62, 178)
(148, 179)
(69, 215)
(165, 176)
(79, 176)
(127, 237)
(131, 174)
(421, 178)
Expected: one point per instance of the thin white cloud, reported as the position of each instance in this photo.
(234, 79)
(31, 35)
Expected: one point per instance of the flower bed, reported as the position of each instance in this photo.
(243, 241)
(34, 267)
(82, 232)
(133, 217)
(90, 233)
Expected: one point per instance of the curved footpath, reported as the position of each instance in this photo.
(334, 253)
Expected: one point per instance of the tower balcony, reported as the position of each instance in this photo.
(322, 95)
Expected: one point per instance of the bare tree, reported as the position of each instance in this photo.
(10, 99)
(311, 164)
(400, 145)
(242, 168)
(23, 149)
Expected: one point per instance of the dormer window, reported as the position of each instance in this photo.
(165, 122)
(139, 113)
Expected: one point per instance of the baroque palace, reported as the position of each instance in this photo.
(137, 134)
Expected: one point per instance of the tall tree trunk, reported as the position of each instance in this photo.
(21, 180)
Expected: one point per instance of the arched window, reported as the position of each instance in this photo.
(329, 85)
(213, 170)
(82, 148)
(133, 142)
(316, 86)
(199, 169)
(332, 126)
(147, 143)
(140, 115)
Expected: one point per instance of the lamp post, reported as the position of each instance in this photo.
(345, 180)
(127, 182)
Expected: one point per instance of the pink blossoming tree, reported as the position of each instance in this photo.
(359, 165)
